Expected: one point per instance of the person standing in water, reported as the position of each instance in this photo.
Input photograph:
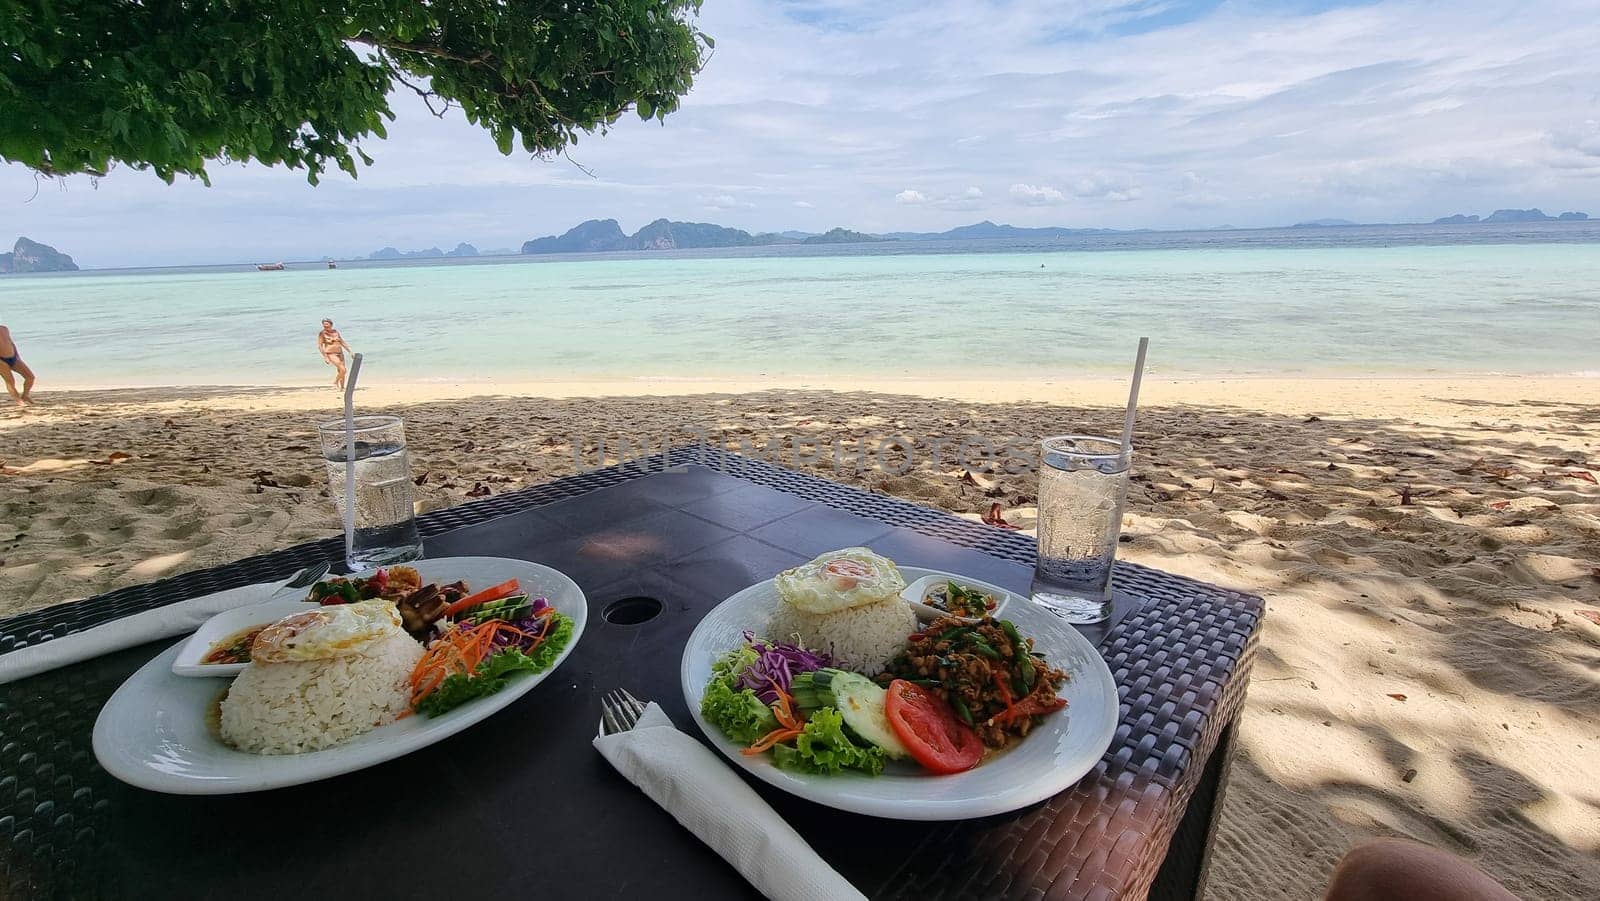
(11, 365)
(332, 347)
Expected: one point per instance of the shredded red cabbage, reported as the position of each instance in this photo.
(777, 664)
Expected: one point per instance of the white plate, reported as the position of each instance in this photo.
(1051, 759)
(153, 732)
(225, 625)
(928, 613)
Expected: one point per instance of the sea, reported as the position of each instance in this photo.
(1341, 302)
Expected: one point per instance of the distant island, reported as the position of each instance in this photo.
(31, 256)
(603, 235)
(988, 230)
(842, 236)
(390, 253)
(1533, 215)
(600, 235)
(1496, 217)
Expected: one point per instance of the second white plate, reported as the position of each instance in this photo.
(1055, 755)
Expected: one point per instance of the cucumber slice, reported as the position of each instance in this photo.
(860, 701)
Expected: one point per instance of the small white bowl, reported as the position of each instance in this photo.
(913, 595)
(224, 625)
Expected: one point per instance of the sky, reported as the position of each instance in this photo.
(885, 115)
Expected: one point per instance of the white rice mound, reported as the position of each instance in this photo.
(308, 705)
(860, 639)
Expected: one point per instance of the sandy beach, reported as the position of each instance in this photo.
(1429, 550)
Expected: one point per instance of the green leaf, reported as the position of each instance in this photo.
(823, 747)
(130, 83)
(739, 714)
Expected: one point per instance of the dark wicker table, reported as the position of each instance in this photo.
(521, 805)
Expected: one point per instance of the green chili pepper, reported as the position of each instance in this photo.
(1012, 633)
(949, 634)
(984, 648)
(1025, 667)
(961, 710)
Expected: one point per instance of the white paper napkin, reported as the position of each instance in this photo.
(708, 798)
(162, 622)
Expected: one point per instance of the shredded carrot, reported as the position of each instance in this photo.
(464, 648)
(776, 736)
(789, 725)
(783, 709)
(456, 651)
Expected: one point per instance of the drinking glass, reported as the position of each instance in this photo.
(1083, 484)
(385, 526)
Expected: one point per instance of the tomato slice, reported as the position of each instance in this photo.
(928, 728)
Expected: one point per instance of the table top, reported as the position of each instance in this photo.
(521, 804)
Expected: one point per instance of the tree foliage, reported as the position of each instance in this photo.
(169, 85)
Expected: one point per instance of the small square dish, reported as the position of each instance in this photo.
(227, 628)
(936, 586)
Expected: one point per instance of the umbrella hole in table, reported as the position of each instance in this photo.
(632, 611)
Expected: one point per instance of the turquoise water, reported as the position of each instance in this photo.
(1532, 308)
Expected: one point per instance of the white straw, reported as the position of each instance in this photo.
(1133, 396)
(350, 455)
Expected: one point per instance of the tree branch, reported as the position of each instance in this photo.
(426, 95)
(429, 50)
(581, 167)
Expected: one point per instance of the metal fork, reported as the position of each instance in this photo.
(302, 579)
(619, 711)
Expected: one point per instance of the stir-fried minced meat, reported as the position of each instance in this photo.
(987, 671)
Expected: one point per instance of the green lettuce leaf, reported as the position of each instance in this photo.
(494, 673)
(739, 714)
(824, 748)
(544, 656)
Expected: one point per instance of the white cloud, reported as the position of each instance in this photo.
(1384, 110)
(725, 202)
(804, 204)
(970, 199)
(1101, 186)
(1579, 147)
(1199, 200)
(1036, 195)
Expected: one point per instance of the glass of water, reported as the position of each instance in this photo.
(1083, 484)
(385, 524)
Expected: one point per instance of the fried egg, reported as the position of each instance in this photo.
(839, 580)
(333, 631)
